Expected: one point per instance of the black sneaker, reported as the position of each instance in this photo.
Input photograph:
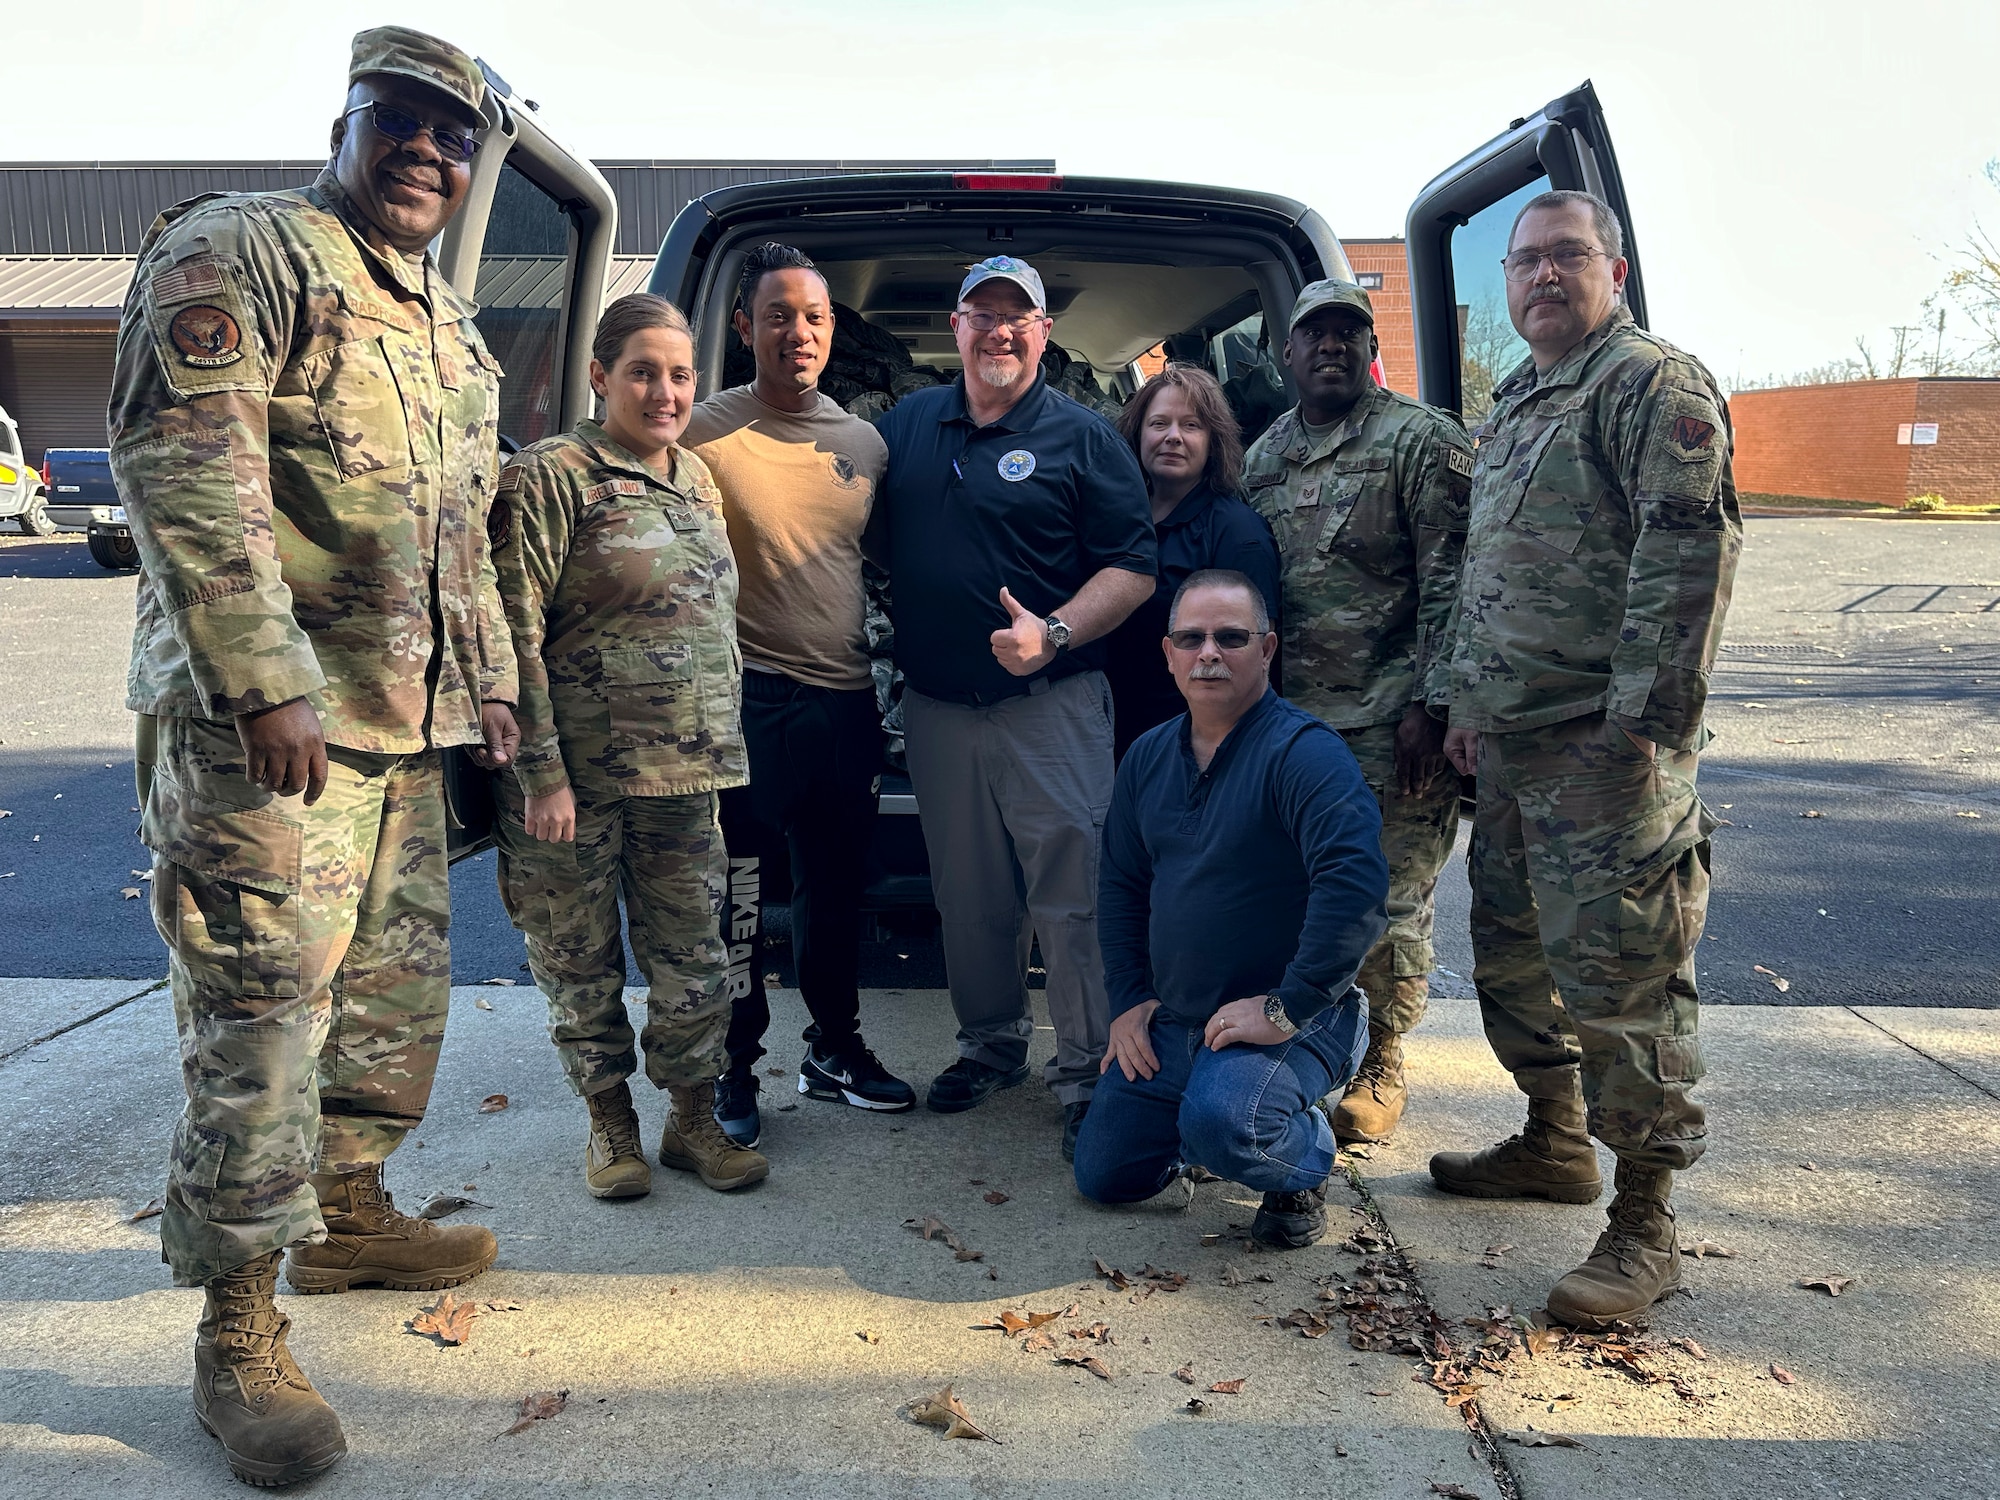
(736, 1108)
(854, 1076)
(1073, 1115)
(1290, 1221)
(965, 1084)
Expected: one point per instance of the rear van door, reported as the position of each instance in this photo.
(1457, 233)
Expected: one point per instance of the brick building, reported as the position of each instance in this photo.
(1874, 440)
(1383, 267)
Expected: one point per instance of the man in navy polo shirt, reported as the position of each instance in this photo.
(1015, 527)
(1243, 885)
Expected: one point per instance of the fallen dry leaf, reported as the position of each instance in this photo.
(1089, 1362)
(443, 1205)
(1491, 1258)
(1041, 1341)
(1011, 1322)
(1462, 1394)
(505, 983)
(1812, 813)
(448, 1320)
(947, 1411)
(1228, 1387)
(1541, 1339)
(996, 1198)
(1097, 1333)
(1702, 1249)
(931, 1227)
(1196, 1406)
(1833, 1286)
(1533, 1439)
(963, 1252)
(492, 1104)
(1185, 1374)
(1112, 1274)
(1456, 1491)
(1231, 1276)
(507, 1306)
(1778, 981)
(482, 1002)
(1961, 815)
(151, 1211)
(868, 1335)
(1783, 1376)
(130, 892)
(537, 1406)
(1689, 1346)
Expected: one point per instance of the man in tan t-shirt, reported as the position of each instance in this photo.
(798, 477)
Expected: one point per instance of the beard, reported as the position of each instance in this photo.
(993, 369)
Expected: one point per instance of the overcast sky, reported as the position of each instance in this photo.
(1798, 172)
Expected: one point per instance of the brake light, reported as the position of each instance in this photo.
(1006, 182)
(45, 473)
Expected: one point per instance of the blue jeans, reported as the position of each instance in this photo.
(1245, 1113)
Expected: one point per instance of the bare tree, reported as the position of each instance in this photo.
(1973, 283)
(1490, 349)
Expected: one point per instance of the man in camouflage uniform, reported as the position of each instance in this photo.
(622, 592)
(1603, 543)
(303, 428)
(1366, 492)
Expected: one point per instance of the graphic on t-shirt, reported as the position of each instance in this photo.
(1016, 466)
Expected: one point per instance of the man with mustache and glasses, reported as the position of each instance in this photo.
(304, 426)
(1366, 492)
(1243, 885)
(1016, 530)
(1603, 544)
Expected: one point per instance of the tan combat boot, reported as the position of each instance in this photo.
(1374, 1101)
(368, 1243)
(693, 1142)
(1551, 1158)
(614, 1163)
(1637, 1260)
(273, 1426)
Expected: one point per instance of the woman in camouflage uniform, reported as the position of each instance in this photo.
(621, 594)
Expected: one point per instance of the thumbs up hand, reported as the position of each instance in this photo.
(1023, 647)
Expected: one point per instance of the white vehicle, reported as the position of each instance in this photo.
(22, 498)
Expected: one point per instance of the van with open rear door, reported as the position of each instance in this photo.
(1208, 274)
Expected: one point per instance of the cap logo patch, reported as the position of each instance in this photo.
(1016, 466)
(207, 337)
(1692, 435)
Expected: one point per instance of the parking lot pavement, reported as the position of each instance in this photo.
(765, 1343)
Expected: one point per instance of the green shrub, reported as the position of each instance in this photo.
(1924, 502)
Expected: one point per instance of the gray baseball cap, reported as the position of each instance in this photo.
(1007, 268)
(1332, 294)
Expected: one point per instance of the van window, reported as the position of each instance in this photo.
(1488, 347)
(524, 292)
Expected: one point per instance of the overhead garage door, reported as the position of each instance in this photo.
(56, 386)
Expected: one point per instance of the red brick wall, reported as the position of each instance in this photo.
(1964, 465)
(1827, 442)
(1395, 328)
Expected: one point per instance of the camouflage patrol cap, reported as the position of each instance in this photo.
(1332, 294)
(412, 54)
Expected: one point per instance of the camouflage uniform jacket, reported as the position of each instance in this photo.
(1604, 541)
(304, 433)
(1370, 524)
(621, 590)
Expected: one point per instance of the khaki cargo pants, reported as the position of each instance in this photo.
(1417, 835)
(311, 975)
(1589, 886)
(665, 856)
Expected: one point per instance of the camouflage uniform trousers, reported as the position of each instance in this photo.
(311, 973)
(666, 855)
(1589, 885)
(1417, 836)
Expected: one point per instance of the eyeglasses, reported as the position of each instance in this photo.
(1569, 260)
(1225, 640)
(404, 128)
(986, 322)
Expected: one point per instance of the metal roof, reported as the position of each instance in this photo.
(508, 281)
(64, 283)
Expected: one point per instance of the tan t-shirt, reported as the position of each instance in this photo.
(796, 492)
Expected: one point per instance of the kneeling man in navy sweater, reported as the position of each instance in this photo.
(1241, 885)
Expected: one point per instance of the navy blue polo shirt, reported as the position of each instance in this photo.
(1037, 502)
(1262, 875)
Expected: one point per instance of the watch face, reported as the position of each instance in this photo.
(1058, 632)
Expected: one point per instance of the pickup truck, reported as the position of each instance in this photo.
(22, 497)
(1211, 272)
(84, 498)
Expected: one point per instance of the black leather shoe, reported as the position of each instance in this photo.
(965, 1084)
(1073, 1122)
(1290, 1221)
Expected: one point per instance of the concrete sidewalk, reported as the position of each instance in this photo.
(714, 1342)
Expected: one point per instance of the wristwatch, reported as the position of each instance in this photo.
(1274, 1012)
(1058, 633)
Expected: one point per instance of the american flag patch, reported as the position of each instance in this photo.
(187, 281)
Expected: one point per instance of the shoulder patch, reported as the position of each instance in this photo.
(1685, 451)
(1458, 461)
(206, 337)
(185, 282)
(510, 479)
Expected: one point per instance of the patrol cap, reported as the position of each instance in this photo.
(1007, 268)
(1332, 293)
(413, 54)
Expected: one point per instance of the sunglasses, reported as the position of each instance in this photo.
(403, 128)
(1225, 640)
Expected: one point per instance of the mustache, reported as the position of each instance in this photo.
(1206, 671)
(1550, 293)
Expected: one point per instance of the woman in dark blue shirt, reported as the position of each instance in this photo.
(1192, 453)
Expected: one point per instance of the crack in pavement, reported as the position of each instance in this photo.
(1962, 1077)
(96, 1015)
